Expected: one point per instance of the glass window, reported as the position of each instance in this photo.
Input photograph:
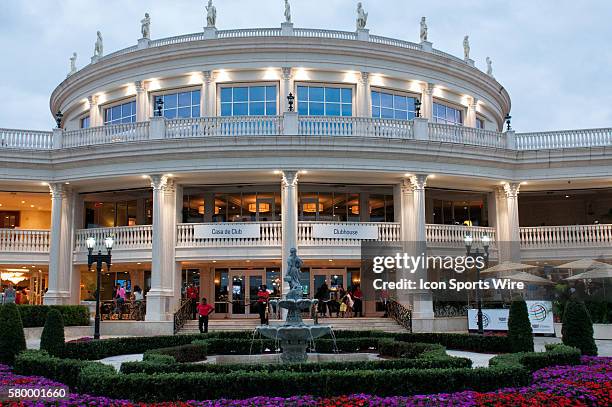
(325, 101)
(248, 100)
(392, 106)
(446, 114)
(85, 122)
(124, 113)
(180, 105)
(479, 123)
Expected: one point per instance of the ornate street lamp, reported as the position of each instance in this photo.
(98, 259)
(486, 241)
(159, 106)
(507, 119)
(417, 108)
(58, 118)
(291, 100)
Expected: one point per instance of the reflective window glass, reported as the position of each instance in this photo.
(325, 101)
(248, 101)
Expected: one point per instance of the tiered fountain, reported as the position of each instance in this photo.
(294, 335)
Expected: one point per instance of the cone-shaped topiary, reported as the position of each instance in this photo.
(12, 338)
(52, 338)
(520, 334)
(577, 328)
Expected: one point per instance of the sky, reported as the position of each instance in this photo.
(553, 56)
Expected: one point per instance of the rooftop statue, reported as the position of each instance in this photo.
(287, 11)
(73, 67)
(423, 30)
(362, 17)
(211, 14)
(145, 26)
(489, 67)
(99, 47)
(466, 47)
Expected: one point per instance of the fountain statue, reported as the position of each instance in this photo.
(294, 335)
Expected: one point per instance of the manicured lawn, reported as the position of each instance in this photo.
(588, 384)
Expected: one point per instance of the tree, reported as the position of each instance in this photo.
(519, 327)
(577, 328)
(52, 338)
(12, 338)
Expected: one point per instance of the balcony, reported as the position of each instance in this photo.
(24, 246)
(302, 126)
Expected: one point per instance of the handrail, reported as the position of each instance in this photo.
(182, 315)
(400, 313)
(564, 139)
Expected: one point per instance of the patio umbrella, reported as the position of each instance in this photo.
(594, 274)
(582, 264)
(529, 278)
(507, 266)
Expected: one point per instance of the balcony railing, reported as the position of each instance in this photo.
(454, 235)
(566, 236)
(355, 126)
(564, 139)
(387, 232)
(466, 135)
(126, 237)
(224, 126)
(116, 133)
(270, 234)
(24, 241)
(26, 139)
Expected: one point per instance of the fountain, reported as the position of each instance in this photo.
(294, 335)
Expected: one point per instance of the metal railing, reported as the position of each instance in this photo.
(182, 315)
(400, 313)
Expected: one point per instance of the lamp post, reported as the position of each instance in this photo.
(486, 240)
(58, 119)
(159, 106)
(507, 119)
(98, 259)
(417, 108)
(290, 99)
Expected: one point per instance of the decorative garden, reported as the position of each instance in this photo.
(411, 369)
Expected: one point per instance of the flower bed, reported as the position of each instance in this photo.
(588, 384)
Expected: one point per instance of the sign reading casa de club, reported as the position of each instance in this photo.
(252, 231)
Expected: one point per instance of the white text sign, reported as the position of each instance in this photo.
(227, 231)
(345, 231)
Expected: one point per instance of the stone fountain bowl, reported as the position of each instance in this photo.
(291, 304)
(300, 332)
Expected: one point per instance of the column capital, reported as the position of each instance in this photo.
(141, 86)
(406, 186)
(159, 182)
(418, 181)
(93, 100)
(286, 73)
(290, 178)
(208, 76)
(58, 190)
(472, 102)
(364, 78)
(512, 189)
(428, 88)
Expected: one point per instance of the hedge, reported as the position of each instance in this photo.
(556, 355)
(52, 338)
(181, 354)
(35, 316)
(397, 349)
(40, 363)
(468, 342)
(12, 337)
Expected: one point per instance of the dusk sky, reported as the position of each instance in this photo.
(553, 57)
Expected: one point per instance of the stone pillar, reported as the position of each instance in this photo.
(67, 245)
(514, 239)
(162, 261)
(427, 101)
(54, 295)
(142, 102)
(364, 100)
(403, 203)
(470, 117)
(364, 207)
(289, 219)
(286, 87)
(208, 95)
(95, 115)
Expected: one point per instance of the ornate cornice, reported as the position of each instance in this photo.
(159, 182)
(512, 189)
(418, 181)
(290, 178)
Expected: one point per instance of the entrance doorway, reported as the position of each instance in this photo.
(334, 278)
(244, 285)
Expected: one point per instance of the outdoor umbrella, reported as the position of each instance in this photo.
(595, 273)
(529, 278)
(507, 266)
(582, 264)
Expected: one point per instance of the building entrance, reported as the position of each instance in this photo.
(244, 286)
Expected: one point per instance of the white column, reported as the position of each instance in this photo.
(470, 117)
(514, 239)
(289, 219)
(427, 101)
(53, 296)
(422, 300)
(208, 95)
(142, 102)
(364, 100)
(162, 262)
(286, 87)
(95, 115)
(66, 247)
(403, 213)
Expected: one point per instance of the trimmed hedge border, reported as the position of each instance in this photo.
(555, 354)
(181, 354)
(468, 342)
(35, 316)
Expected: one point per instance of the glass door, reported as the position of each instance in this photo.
(244, 287)
(333, 278)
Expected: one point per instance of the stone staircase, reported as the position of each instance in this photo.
(338, 324)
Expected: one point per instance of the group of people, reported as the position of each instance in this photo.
(132, 303)
(343, 303)
(10, 295)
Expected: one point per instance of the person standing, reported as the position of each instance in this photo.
(263, 297)
(10, 294)
(192, 296)
(204, 311)
(358, 298)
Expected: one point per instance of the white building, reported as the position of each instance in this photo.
(228, 154)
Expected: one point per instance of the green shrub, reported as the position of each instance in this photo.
(397, 349)
(35, 316)
(474, 343)
(520, 334)
(149, 357)
(52, 338)
(12, 338)
(554, 356)
(181, 354)
(577, 330)
(40, 363)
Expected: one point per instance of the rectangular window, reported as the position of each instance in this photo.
(180, 105)
(387, 105)
(124, 113)
(248, 100)
(85, 122)
(446, 114)
(479, 123)
(324, 101)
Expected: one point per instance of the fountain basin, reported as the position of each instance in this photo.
(294, 332)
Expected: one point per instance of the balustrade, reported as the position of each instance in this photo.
(24, 241)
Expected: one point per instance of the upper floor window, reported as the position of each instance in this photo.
(325, 101)
(85, 123)
(248, 100)
(387, 105)
(123, 113)
(480, 123)
(180, 105)
(446, 114)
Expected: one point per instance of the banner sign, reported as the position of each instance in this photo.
(345, 231)
(227, 231)
(540, 316)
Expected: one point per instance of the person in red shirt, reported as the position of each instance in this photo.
(204, 310)
(263, 296)
(192, 294)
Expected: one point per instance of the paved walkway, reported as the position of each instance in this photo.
(116, 361)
